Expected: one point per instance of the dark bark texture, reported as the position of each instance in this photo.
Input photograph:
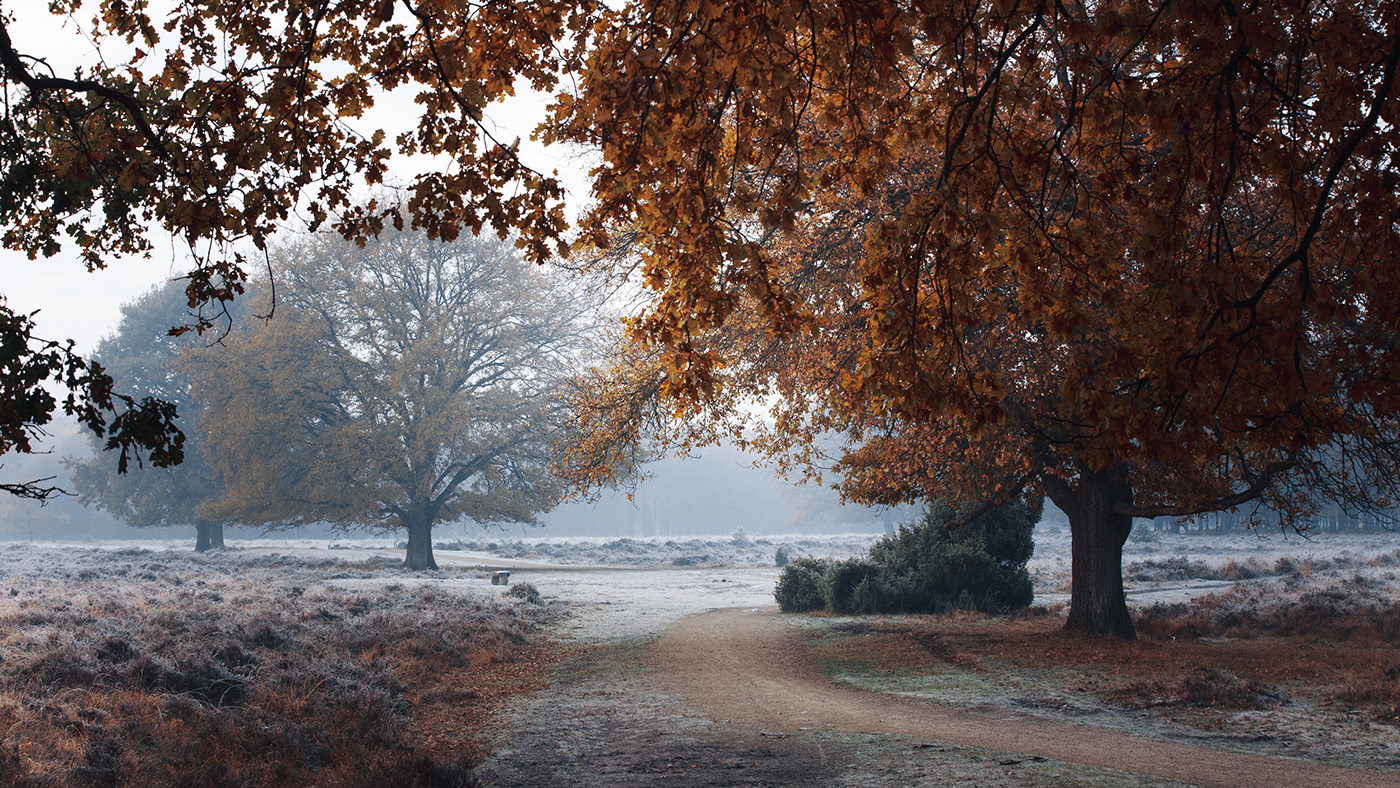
(1097, 604)
(420, 544)
(208, 536)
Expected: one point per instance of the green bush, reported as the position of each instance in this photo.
(924, 568)
(984, 561)
(781, 557)
(800, 587)
(850, 587)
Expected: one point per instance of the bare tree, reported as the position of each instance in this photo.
(399, 385)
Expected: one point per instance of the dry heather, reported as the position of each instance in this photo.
(1179, 568)
(1357, 616)
(133, 667)
(1357, 609)
(1194, 558)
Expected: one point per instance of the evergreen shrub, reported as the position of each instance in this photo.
(924, 568)
(800, 588)
(848, 589)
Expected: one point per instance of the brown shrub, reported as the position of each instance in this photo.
(1205, 687)
(144, 668)
(1376, 691)
(1233, 570)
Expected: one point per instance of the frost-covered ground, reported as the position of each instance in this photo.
(1164, 568)
(1151, 564)
(608, 588)
(137, 666)
(1156, 567)
(663, 551)
(266, 635)
(631, 586)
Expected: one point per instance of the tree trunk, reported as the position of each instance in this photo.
(208, 536)
(1097, 604)
(420, 544)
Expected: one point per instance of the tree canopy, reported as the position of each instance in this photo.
(219, 122)
(403, 384)
(1138, 257)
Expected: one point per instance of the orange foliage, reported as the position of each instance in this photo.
(1126, 237)
(229, 116)
(1139, 257)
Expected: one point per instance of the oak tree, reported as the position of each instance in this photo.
(142, 357)
(399, 385)
(217, 122)
(1138, 257)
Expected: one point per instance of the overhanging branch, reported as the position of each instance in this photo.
(35, 490)
(15, 71)
(992, 502)
(1261, 483)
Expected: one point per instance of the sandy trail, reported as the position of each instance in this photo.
(749, 667)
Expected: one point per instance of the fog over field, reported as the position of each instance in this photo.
(710, 494)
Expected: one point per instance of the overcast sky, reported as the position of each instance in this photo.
(84, 306)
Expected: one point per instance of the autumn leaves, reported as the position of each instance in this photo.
(997, 249)
(1021, 248)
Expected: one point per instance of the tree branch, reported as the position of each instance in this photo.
(16, 72)
(1300, 254)
(35, 489)
(1262, 483)
(992, 502)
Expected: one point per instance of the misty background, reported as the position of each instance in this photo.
(711, 493)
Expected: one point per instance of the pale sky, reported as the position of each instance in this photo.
(85, 307)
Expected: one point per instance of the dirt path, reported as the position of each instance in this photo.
(749, 667)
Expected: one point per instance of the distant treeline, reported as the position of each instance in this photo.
(1329, 519)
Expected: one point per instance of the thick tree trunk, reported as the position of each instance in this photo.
(1097, 604)
(208, 536)
(420, 544)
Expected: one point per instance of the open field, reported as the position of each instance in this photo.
(292, 662)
